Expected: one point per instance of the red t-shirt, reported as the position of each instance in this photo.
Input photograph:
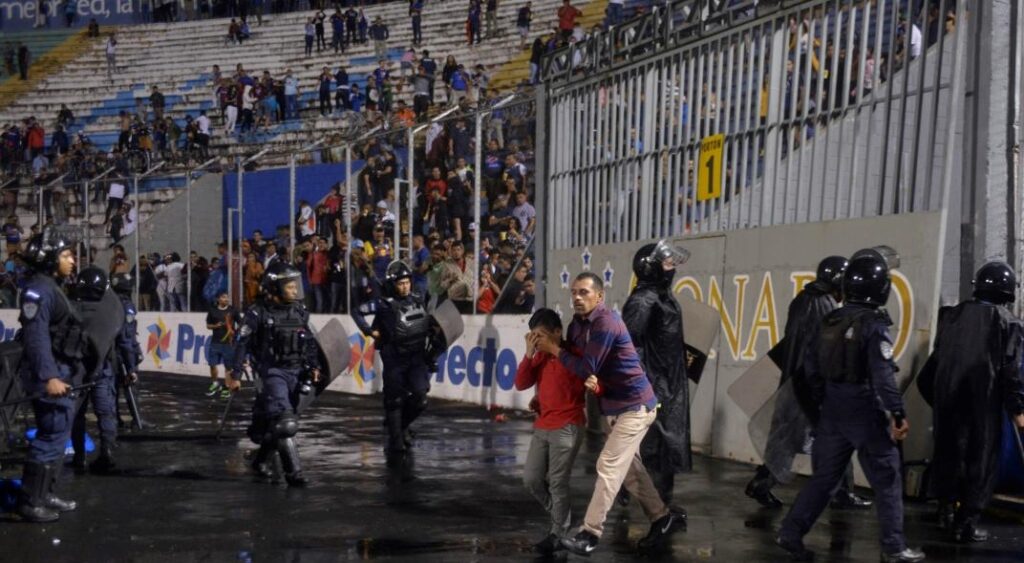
(567, 17)
(559, 392)
(333, 203)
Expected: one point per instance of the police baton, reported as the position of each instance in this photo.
(72, 394)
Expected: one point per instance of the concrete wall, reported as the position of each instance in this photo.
(166, 231)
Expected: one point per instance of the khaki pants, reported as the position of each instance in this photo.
(620, 464)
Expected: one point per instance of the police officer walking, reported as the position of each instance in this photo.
(791, 420)
(275, 336)
(90, 287)
(129, 352)
(54, 345)
(851, 373)
(403, 332)
(971, 379)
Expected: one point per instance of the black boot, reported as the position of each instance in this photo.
(50, 498)
(78, 463)
(966, 530)
(946, 515)
(661, 528)
(34, 487)
(845, 500)
(104, 464)
(262, 464)
(289, 452)
(395, 433)
(760, 488)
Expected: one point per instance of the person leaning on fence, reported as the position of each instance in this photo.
(557, 430)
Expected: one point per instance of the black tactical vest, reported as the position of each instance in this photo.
(67, 338)
(284, 335)
(412, 326)
(841, 353)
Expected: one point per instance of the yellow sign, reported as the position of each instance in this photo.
(709, 171)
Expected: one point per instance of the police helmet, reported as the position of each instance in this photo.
(649, 260)
(279, 274)
(397, 270)
(42, 251)
(996, 282)
(866, 280)
(91, 284)
(830, 272)
(122, 283)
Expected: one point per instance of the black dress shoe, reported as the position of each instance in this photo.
(549, 545)
(946, 516)
(795, 548)
(846, 500)
(970, 533)
(583, 543)
(908, 555)
(762, 494)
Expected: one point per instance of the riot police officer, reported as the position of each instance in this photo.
(90, 288)
(275, 336)
(129, 352)
(851, 374)
(403, 333)
(790, 422)
(54, 346)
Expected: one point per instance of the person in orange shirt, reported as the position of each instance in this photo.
(405, 115)
(559, 404)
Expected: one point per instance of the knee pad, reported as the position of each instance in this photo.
(286, 426)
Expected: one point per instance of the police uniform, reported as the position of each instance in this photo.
(276, 337)
(405, 349)
(851, 373)
(129, 352)
(53, 347)
(92, 285)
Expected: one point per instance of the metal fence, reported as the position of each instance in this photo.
(806, 111)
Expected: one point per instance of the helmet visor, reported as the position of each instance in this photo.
(887, 253)
(668, 254)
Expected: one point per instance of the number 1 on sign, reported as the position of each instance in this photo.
(709, 174)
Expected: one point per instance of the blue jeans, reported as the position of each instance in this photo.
(614, 14)
(291, 108)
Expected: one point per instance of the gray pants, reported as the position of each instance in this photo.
(547, 471)
(380, 49)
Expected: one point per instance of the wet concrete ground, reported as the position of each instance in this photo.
(183, 496)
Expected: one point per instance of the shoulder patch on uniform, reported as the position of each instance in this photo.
(129, 318)
(246, 330)
(886, 348)
(29, 309)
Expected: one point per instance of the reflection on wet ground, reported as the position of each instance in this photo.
(182, 495)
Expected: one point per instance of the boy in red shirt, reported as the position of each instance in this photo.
(559, 403)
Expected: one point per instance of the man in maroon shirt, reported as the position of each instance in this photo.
(559, 405)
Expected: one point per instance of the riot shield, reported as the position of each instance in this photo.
(101, 322)
(701, 324)
(334, 351)
(450, 320)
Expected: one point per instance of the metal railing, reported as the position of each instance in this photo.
(809, 111)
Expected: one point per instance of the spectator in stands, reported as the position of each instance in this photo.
(365, 287)
(13, 232)
(461, 141)
(342, 94)
(523, 18)
(614, 13)
(249, 101)
(306, 221)
(338, 31)
(230, 108)
(416, 13)
(233, 30)
(111, 52)
(291, 95)
(118, 261)
(429, 65)
(364, 27)
(324, 86)
(492, 19)
(175, 272)
(379, 33)
(24, 59)
(156, 100)
(488, 292)
(420, 264)
(408, 62)
(460, 290)
(404, 115)
(421, 86)
(221, 320)
(115, 197)
(567, 15)
(94, 28)
(318, 270)
(309, 34)
(351, 26)
(524, 214)
(116, 224)
(318, 25)
(203, 137)
(460, 86)
(515, 170)
(244, 31)
(65, 117)
(372, 94)
(435, 214)
(439, 271)
(131, 217)
(147, 284)
(473, 23)
(537, 52)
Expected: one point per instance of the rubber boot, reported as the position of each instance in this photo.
(104, 464)
(50, 498)
(262, 464)
(289, 451)
(34, 486)
(78, 461)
